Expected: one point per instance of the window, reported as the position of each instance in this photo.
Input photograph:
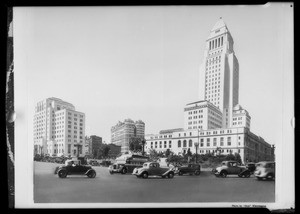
(221, 141)
(229, 141)
(69, 148)
(184, 143)
(207, 142)
(179, 143)
(190, 143)
(215, 141)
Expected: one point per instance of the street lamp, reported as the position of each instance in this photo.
(143, 142)
(196, 145)
(77, 145)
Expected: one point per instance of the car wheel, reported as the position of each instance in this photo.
(171, 175)
(197, 172)
(92, 174)
(223, 174)
(124, 171)
(62, 174)
(247, 174)
(180, 173)
(270, 176)
(145, 175)
(111, 172)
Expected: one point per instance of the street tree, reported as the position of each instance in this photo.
(135, 144)
(106, 151)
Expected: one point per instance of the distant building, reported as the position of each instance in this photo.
(94, 142)
(215, 141)
(58, 128)
(114, 150)
(123, 131)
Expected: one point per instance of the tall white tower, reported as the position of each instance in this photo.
(219, 72)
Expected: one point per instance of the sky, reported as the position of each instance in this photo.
(114, 63)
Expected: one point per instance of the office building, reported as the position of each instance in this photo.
(59, 130)
(122, 132)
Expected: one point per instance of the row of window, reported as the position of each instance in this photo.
(218, 42)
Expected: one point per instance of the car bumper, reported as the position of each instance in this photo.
(260, 175)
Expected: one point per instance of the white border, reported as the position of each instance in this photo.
(285, 182)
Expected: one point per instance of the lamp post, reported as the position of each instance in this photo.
(143, 144)
(77, 145)
(196, 145)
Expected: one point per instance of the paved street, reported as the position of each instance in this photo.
(48, 188)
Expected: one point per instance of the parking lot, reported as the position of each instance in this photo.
(107, 188)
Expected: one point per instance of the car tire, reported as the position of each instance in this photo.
(247, 174)
(62, 173)
(171, 175)
(270, 176)
(197, 172)
(223, 174)
(124, 171)
(145, 175)
(180, 173)
(111, 172)
(91, 174)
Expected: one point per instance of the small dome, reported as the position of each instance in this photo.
(237, 107)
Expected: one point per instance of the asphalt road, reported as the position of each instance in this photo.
(106, 188)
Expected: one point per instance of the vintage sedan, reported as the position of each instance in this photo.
(74, 167)
(153, 169)
(265, 170)
(231, 168)
(122, 168)
(191, 169)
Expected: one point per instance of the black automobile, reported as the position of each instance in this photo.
(251, 167)
(192, 169)
(74, 167)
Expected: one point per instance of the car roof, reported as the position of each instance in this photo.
(150, 162)
(265, 162)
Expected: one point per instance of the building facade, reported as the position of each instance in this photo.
(202, 115)
(215, 141)
(59, 130)
(124, 131)
(94, 143)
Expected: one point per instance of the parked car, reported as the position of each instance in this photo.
(74, 167)
(93, 163)
(123, 168)
(231, 168)
(265, 170)
(251, 167)
(189, 169)
(153, 169)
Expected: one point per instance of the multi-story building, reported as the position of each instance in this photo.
(202, 115)
(240, 117)
(94, 143)
(216, 123)
(215, 141)
(219, 72)
(58, 128)
(124, 131)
